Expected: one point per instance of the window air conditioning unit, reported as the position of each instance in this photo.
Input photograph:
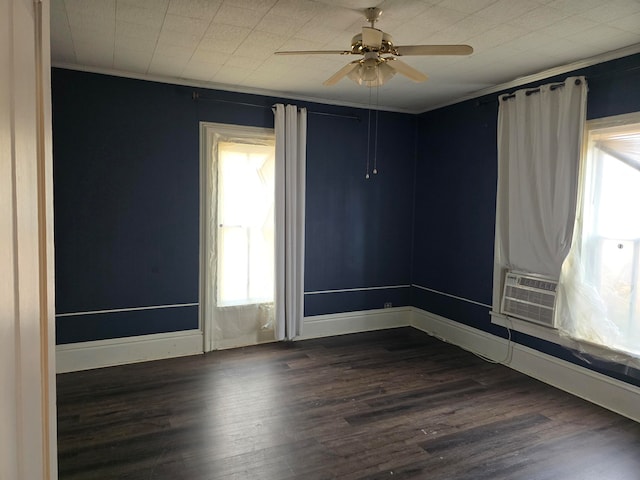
(530, 297)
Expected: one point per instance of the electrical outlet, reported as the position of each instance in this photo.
(388, 305)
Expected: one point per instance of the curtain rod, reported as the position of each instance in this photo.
(507, 96)
(327, 114)
(537, 90)
(196, 96)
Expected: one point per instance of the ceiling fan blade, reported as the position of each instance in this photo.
(406, 70)
(314, 52)
(372, 37)
(434, 50)
(343, 72)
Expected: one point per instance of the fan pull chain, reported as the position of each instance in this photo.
(375, 148)
(368, 137)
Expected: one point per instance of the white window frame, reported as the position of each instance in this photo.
(539, 331)
(209, 133)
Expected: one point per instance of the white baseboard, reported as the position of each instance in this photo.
(602, 390)
(354, 322)
(106, 353)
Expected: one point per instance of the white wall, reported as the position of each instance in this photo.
(27, 378)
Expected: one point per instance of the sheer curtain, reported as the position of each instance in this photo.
(245, 223)
(539, 144)
(244, 249)
(598, 292)
(291, 143)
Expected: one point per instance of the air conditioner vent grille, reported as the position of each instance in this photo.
(538, 283)
(530, 298)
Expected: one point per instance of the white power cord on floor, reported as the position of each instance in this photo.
(504, 361)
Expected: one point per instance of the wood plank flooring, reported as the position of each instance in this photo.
(393, 404)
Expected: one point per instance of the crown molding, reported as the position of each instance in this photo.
(221, 87)
(542, 75)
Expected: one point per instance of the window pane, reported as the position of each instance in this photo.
(612, 229)
(261, 261)
(245, 209)
(233, 265)
(618, 198)
(613, 277)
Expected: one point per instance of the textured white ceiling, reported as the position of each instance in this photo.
(229, 44)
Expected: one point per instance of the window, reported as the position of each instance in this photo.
(609, 241)
(237, 249)
(245, 223)
(594, 247)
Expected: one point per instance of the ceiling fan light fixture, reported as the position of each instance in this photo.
(385, 72)
(372, 71)
(369, 73)
(372, 75)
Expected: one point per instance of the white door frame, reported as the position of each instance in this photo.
(28, 438)
(209, 134)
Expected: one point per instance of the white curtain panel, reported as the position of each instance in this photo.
(291, 152)
(539, 144)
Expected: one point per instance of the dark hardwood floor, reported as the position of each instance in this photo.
(394, 404)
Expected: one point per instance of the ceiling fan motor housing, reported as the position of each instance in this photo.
(386, 46)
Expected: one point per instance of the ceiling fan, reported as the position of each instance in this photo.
(374, 69)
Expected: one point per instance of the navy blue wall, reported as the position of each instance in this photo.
(358, 230)
(127, 203)
(126, 199)
(456, 178)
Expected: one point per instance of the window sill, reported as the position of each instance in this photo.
(245, 303)
(529, 328)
